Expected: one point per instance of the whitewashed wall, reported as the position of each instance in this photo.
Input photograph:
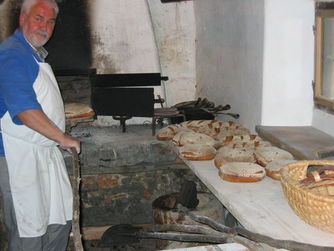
(146, 36)
(258, 57)
(123, 38)
(174, 29)
(288, 63)
(229, 46)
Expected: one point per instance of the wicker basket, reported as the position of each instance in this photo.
(315, 207)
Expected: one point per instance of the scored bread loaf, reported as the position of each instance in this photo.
(249, 144)
(223, 132)
(229, 154)
(265, 155)
(195, 138)
(77, 110)
(242, 172)
(168, 132)
(197, 124)
(273, 168)
(177, 137)
(197, 152)
(249, 138)
(214, 128)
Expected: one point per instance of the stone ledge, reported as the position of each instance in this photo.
(304, 142)
(107, 149)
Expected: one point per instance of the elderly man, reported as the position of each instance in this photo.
(33, 178)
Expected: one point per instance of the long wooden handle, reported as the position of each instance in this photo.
(76, 178)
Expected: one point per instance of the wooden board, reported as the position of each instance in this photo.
(304, 142)
(260, 207)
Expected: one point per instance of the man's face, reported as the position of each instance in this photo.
(37, 25)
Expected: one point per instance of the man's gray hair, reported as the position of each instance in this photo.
(27, 4)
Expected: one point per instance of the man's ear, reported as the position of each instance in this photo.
(22, 18)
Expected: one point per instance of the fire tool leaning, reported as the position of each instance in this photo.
(76, 178)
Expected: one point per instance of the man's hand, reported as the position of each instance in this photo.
(38, 121)
(68, 142)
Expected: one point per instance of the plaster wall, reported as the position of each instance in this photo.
(174, 29)
(123, 37)
(229, 55)
(146, 36)
(288, 63)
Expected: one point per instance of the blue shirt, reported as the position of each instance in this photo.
(18, 72)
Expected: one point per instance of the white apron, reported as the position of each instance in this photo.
(39, 182)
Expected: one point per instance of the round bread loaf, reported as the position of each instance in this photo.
(274, 167)
(177, 137)
(196, 138)
(78, 110)
(168, 132)
(197, 152)
(242, 172)
(229, 154)
(265, 155)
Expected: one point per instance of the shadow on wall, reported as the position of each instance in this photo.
(9, 12)
(70, 47)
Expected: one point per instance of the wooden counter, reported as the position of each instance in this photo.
(260, 207)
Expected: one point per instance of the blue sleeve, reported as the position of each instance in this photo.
(16, 85)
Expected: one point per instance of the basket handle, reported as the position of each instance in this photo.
(316, 176)
(317, 173)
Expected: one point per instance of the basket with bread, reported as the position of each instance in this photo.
(309, 189)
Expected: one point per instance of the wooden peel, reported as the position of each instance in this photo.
(76, 178)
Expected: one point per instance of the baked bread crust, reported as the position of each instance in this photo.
(196, 138)
(232, 139)
(177, 137)
(229, 154)
(197, 152)
(78, 110)
(242, 172)
(273, 168)
(168, 132)
(214, 128)
(265, 155)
